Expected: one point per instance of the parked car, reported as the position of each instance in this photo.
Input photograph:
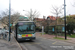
(1, 32)
(73, 31)
(7, 31)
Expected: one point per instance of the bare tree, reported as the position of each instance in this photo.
(15, 17)
(56, 11)
(5, 17)
(32, 14)
(73, 3)
(6, 12)
(4, 21)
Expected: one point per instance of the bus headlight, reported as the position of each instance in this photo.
(33, 35)
(19, 36)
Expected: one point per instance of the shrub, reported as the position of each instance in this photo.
(38, 29)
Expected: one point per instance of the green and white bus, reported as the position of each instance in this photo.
(25, 30)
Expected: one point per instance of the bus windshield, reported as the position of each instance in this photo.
(26, 27)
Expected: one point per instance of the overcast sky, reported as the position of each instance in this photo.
(43, 6)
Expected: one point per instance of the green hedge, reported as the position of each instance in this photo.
(49, 29)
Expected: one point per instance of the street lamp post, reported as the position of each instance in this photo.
(9, 17)
(65, 18)
(48, 24)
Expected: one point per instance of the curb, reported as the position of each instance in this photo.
(62, 40)
(57, 39)
(65, 41)
(23, 48)
(19, 44)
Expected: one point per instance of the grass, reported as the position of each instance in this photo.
(72, 36)
(59, 38)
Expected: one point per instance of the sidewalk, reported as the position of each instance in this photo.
(9, 45)
(71, 40)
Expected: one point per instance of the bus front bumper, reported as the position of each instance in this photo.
(26, 38)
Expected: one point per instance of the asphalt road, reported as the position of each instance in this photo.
(46, 44)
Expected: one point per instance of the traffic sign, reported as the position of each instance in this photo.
(10, 25)
(63, 29)
(53, 29)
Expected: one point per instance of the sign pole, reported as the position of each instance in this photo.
(65, 18)
(42, 30)
(9, 17)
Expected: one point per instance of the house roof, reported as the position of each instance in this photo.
(39, 19)
(72, 15)
(52, 17)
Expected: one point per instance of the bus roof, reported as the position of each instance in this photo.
(25, 21)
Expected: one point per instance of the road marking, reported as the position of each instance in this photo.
(23, 47)
(36, 43)
(54, 42)
(33, 43)
(45, 38)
